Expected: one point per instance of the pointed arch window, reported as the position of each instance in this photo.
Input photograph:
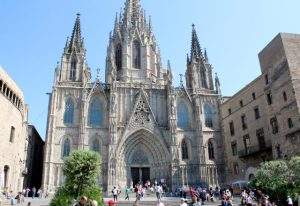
(136, 54)
(211, 152)
(69, 111)
(203, 78)
(184, 150)
(208, 115)
(118, 56)
(73, 69)
(183, 116)
(95, 145)
(95, 113)
(66, 147)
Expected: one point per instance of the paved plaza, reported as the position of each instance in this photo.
(147, 201)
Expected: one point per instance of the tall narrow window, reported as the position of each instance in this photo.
(231, 128)
(253, 96)
(241, 103)
(136, 54)
(73, 69)
(229, 111)
(261, 138)
(208, 115)
(66, 147)
(266, 79)
(244, 123)
(274, 125)
(118, 56)
(234, 148)
(95, 113)
(184, 150)
(236, 168)
(12, 134)
(256, 113)
(6, 176)
(246, 140)
(95, 145)
(211, 152)
(182, 116)
(69, 111)
(290, 123)
(284, 96)
(203, 77)
(1, 85)
(269, 98)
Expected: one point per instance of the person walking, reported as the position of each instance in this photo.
(115, 193)
(33, 192)
(289, 201)
(127, 190)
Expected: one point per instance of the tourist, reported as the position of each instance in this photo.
(27, 192)
(82, 201)
(159, 191)
(195, 201)
(33, 192)
(183, 202)
(115, 193)
(127, 190)
(94, 203)
(289, 201)
(39, 193)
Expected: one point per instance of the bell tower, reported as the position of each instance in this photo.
(199, 70)
(73, 66)
(133, 54)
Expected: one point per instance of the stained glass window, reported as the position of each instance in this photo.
(208, 115)
(69, 111)
(182, 116)
(95, 113)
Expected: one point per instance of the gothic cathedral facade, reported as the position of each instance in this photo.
(143, 127)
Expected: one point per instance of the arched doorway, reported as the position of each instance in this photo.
(142, 156)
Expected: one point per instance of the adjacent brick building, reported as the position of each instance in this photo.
(261, 121)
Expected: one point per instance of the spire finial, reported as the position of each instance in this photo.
(181, 79)
(98, 73)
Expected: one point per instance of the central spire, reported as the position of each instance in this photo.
(196, 52)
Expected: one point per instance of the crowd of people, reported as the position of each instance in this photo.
(19, 197)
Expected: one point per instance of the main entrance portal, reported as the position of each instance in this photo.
(140, 174)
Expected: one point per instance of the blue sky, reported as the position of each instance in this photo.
(33, 34)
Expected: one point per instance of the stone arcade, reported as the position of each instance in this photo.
(143, 127)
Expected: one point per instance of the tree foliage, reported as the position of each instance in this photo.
(279, 178)
(81, 170)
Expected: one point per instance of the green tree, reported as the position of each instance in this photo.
(279, 179)
(81, 170)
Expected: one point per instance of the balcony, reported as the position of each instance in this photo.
(256, 150)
